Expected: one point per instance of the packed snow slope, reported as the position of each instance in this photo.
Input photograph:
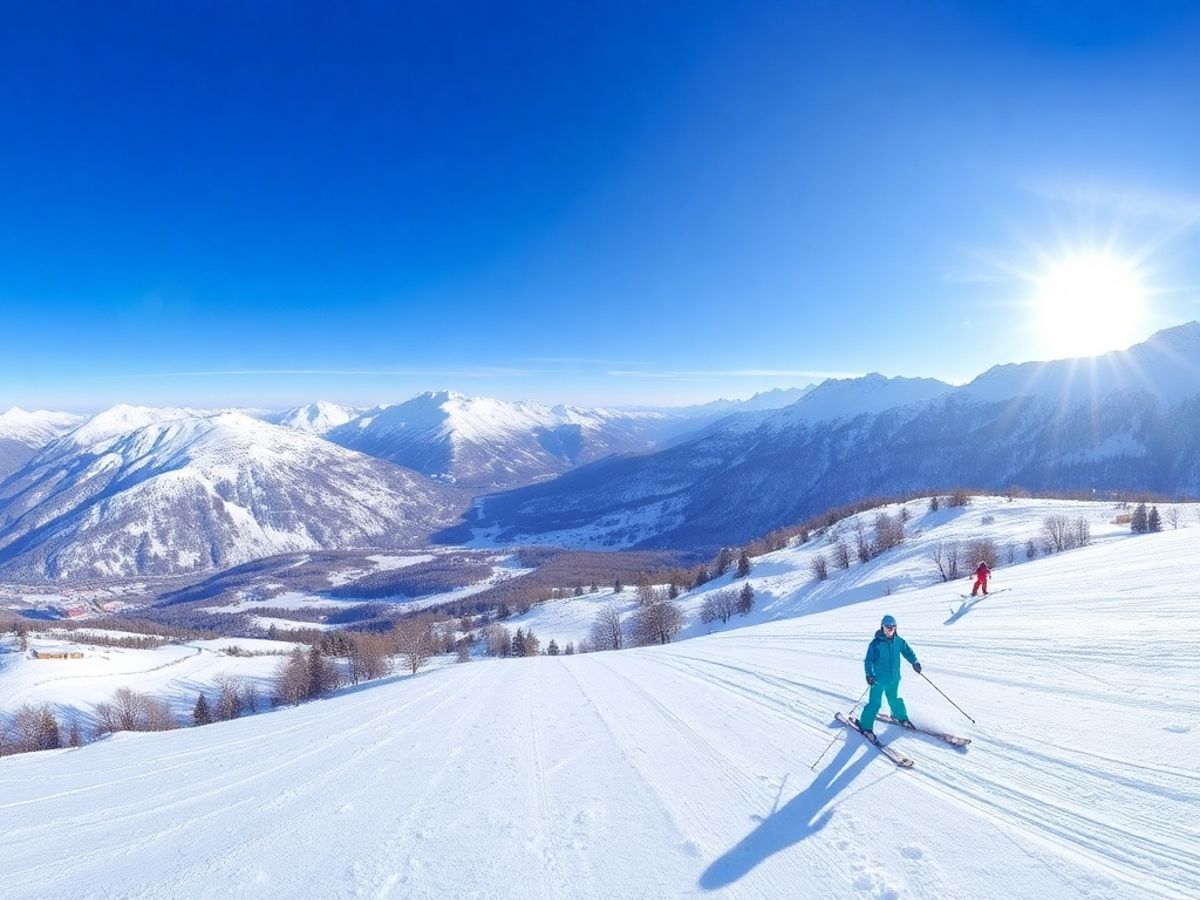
(684, 770)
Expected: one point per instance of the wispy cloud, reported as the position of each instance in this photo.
(684, 375)
(583, 361)
(468, 372)
(1181, 210)
(974, 277)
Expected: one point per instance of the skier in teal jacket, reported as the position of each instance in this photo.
(882, 664)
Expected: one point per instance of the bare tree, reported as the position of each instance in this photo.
(945, 556)
(532, 643)
(498, 640)
(645, 593)
(980, 550)
(229, 698)
(889, 533)
(1083, 532)
(657, 623)
(34, 728)
(862, 546)
(131, 711)
(414, 642)
(369, 656)
(719, 605)
(607, 630)
(291, 679)
(1172, 516)
(1057, 532)
(841, 554)
(322, 674)
(819, 567)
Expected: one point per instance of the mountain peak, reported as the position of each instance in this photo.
(1166, 366)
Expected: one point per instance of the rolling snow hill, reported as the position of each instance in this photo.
(708, 767)
(167, 492)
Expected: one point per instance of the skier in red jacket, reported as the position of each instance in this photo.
(981, 576)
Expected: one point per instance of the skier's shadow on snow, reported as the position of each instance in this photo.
(802, 817)
(966, 607)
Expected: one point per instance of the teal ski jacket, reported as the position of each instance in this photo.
(883, 657)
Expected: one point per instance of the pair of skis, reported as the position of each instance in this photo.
(895, 756)
(980, 596)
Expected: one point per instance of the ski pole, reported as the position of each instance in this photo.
(948, 700)
(835, 737)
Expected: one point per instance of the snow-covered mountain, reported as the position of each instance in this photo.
(485, 442)
(1166, 367)
(136, 491)
(319, 417)
(23, 433)
(764, 400)
(869, 437)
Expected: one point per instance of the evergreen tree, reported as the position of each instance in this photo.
(724, 559)
(49, 737)
(518, 643)
(617, 586)
(672, 590)
(745, 601)
(201, 714)
(1154, 523)
(1139, 522)
(743, 568)
(552, 648)
(74, 738)
(569, 650)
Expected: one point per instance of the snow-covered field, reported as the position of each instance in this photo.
(685, 770)
(176, 673)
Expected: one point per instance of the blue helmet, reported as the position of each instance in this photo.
(888, 621)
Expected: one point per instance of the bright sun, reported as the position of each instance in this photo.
(1088, 304)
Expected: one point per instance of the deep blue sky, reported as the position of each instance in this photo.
(598, 203)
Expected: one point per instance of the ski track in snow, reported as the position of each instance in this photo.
(685, 770)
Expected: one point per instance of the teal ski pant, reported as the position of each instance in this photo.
(895, 704)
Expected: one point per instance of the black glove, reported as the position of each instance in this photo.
(870, 679)
(917, 668)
